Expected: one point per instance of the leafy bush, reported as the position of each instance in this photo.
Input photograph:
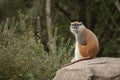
(24, 58)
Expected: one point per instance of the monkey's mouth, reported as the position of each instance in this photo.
(75, 30)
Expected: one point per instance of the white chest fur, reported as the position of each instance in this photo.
(77, 52)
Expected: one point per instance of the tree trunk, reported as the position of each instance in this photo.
(117, 4)
(51, 42)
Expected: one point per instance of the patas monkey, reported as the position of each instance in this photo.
(86, 45)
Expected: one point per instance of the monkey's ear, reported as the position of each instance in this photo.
(80, 23)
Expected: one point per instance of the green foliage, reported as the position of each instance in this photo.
(22, 58)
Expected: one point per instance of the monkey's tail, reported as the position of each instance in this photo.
(76, 61)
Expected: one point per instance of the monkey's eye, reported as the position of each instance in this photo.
(75, 27)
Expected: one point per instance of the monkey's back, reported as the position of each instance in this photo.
(91, 47)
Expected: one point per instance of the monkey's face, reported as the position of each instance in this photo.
(76, 27)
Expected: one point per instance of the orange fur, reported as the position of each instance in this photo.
(92, 46)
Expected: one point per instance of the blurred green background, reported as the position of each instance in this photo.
(35, 39)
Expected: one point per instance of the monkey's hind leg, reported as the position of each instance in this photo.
(84, 50)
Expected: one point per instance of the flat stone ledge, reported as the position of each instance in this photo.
(94, 69)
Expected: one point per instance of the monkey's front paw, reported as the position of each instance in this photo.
(73, 60)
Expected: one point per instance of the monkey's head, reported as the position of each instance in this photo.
(76, 27)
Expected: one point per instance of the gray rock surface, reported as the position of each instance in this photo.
(93, 69)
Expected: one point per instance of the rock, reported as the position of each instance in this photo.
(93, 69)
